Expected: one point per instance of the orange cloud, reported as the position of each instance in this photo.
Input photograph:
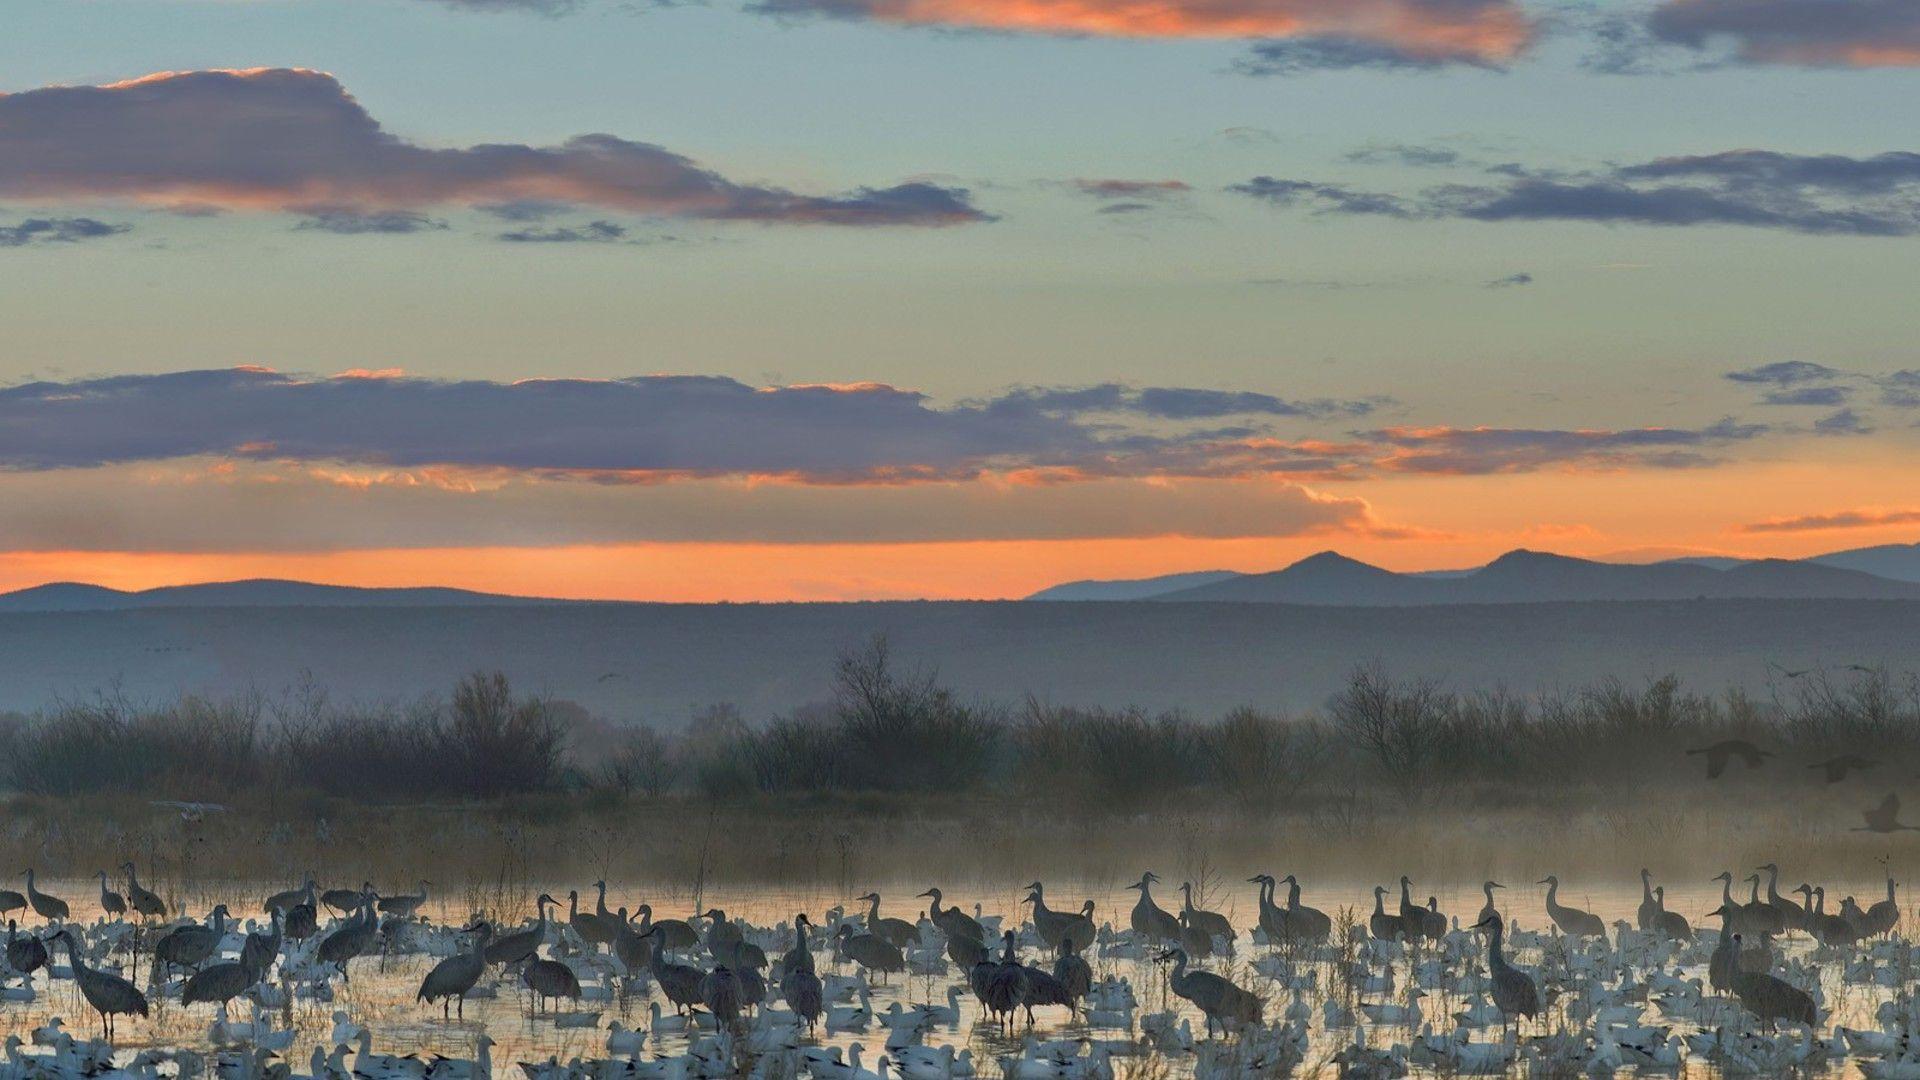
(1868, 518)
(1472, 31)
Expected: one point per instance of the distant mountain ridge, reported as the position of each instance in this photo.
(262, 592)
(1137, 589)
(1522, 576)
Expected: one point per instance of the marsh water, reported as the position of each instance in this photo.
(381, 992)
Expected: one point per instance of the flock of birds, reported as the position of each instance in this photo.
(714, 996)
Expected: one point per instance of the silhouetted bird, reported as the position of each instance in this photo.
(1862, 668)
(1838, 767)
(1885, 817)
(1717, 755)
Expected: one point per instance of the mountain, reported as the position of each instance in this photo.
(1901, 562)
(1326, 578)
(1526, 577)
(1136, 589)
(266, 592)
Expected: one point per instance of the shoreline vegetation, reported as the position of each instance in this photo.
(899, 779)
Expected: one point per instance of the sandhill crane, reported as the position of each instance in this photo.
(1041, 988)
(549, 979)
(1649, 910)
(1792, 915)
(284, 900)
(1003, 985)
(1514, 992)
(634, 950)
(680, 982)
(1758, 915)
(111, 903)
(722, 935)
(1571, 921)
(110, 995)
(50, 908)
(1830, 929)
(1047, 923)
(720, 993)
(951, 920)
(592, 930)
(1305, 923)
(144, 901)
(190, 946)
(1272, 918)
(259, 950)
(451, 978)
(672, 933)
(1719, 753)
(1220, 1001)
(1489, 910)
(1211, 923)
(405, 905)
(1772, 999)
(11, 901)
(1837, 768)
(1884, 915)
(302, 921)
(217, 984)
(868, 951)
(521, 945)
(1884, 818)
(1671, 924)
(351, 938)
(1426, 922)
(800, 986)
(896, 932)
(1382, 925)
(1725, 959)
(25, 955)
(600, 905)
(1149, 919)
(345, 901)
(1073, 973)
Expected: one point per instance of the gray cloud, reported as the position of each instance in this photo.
(1820, 33)
(1842, 422)
(593, 232)
(274, 507)
(1479, 451)
(1324, 198)
(620, 429)
(290, 140)
(661, 428)
(1787, 373)
(1807, 395)
(1403, 154)
(1822, 194)
(385, 223)
(56, 231)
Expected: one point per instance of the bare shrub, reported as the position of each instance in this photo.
(1259, 761)
(1398, 726)
(640, 763)
(904, 731)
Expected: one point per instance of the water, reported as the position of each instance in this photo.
(381, 991)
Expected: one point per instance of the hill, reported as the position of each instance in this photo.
(1134, 589)
(1532, 577)
(263, 592)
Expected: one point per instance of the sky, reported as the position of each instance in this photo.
(841, 299)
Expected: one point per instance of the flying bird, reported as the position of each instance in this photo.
(1838, 767)
(1719, 752)
(1787, 673)
(1884, 818)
